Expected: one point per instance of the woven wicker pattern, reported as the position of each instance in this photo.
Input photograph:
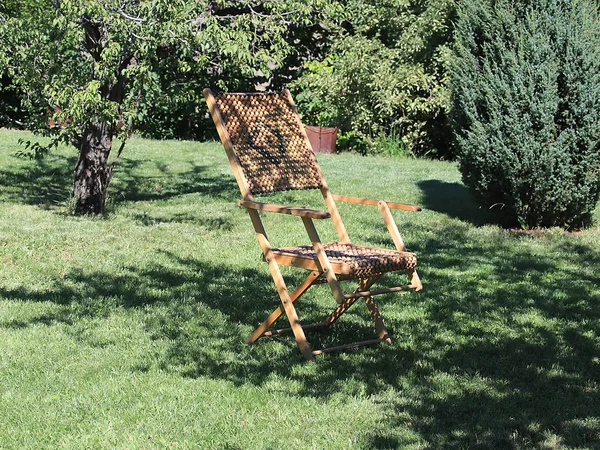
(269, 142)
(362, 260)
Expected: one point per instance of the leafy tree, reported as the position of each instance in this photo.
(526, 107)
(94, 67)
(178, 108)
(385, 74)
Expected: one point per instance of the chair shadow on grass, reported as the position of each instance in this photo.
(507, 366)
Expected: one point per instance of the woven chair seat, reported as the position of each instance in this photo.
(352, 259)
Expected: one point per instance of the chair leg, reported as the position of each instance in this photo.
(414, 279)
(364, 285)
(341, 309)
(298, 292)
(290, 312)
(284, 295)
(376, 316)
(289, 309)
(323, 261)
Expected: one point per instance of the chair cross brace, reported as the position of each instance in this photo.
(311, 279)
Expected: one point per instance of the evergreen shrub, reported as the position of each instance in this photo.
(525, 80)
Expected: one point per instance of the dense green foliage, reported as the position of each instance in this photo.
(526, 108)
(99, 68)
(71, 54)
(178, 110)
(384, 75)
(12, 115)
(137, 340)
(376, 70)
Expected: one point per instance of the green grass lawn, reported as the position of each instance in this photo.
(128, 331)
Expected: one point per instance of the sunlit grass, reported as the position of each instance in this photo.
(128, 331)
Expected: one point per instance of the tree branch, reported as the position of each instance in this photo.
(129, 128)
(92, 37)
(130, 17)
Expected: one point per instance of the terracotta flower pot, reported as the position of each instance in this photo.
(322, 139)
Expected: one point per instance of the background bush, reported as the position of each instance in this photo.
(384, 78)
(526, 108)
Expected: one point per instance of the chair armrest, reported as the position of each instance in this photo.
(294, 211)
(365, 201)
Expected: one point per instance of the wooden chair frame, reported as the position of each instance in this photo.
(321, 270)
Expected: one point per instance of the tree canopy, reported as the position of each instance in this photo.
(92, 68)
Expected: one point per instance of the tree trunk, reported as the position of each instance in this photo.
(92, 173)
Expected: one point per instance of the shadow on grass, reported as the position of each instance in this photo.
(129, 186)
(501, 350)
(48, 182)
(455, 200)
(213, 223)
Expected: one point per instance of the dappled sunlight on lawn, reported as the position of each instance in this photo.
(500, 350)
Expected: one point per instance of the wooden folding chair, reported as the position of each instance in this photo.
(269, 152)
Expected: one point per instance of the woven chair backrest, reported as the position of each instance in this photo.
(269, 142)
